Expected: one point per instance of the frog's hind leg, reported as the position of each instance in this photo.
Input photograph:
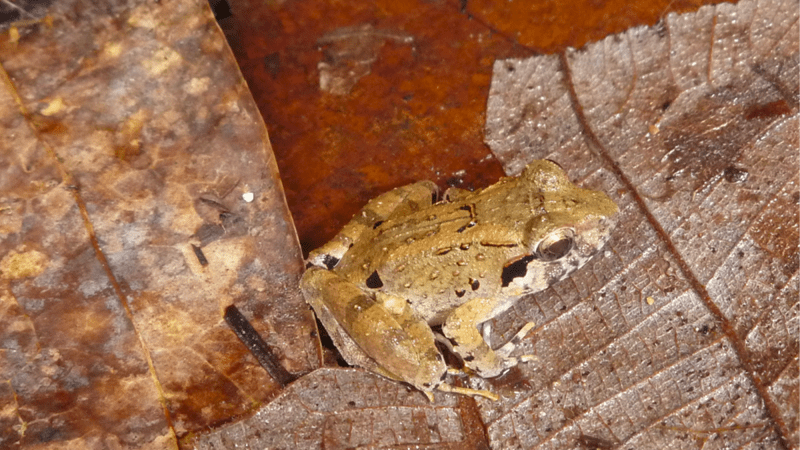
(313, 284)
(400, 201)
(391, 342)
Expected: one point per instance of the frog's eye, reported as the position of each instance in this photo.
(555, 245)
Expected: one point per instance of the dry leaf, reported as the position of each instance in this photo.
(693, 124)
(138, 198)
(319, 411)
(683, 335)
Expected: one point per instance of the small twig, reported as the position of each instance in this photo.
(260, 349)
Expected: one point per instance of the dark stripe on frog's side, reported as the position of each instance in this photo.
(471, 224)
(467, 245)
(515, 269)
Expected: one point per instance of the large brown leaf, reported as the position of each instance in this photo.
(129, 146)
(128, 136)
(685, 333)
(688, 329)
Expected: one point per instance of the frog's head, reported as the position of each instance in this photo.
(569, 225)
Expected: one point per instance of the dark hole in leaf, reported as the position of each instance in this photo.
(735, 175)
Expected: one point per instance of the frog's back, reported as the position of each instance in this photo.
(485, 244)
(446, 254)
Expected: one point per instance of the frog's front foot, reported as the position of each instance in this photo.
(509, 346)
(461, 327)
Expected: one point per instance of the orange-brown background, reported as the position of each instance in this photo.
(419, 113)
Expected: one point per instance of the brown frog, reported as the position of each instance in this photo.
(405, 264)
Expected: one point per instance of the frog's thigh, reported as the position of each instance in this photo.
(461, 326)
(401, 201)
(398, 346)
(313, 284)
(397, 202)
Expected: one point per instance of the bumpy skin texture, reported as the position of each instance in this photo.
(404, 264)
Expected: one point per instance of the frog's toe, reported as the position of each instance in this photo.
(509, 346)
(444, 387)
(495, 369)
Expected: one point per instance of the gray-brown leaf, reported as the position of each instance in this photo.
(686, 334)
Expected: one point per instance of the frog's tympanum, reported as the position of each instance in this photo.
(405, 264)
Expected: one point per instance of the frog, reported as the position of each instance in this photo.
(411, 271)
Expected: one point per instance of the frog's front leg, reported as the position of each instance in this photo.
(461, 327)
(387, 339)
(397, 202)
